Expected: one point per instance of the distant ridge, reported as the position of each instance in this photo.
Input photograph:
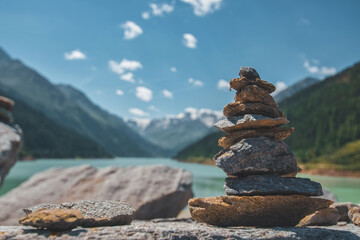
(70, 108)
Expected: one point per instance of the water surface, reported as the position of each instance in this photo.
(208, 180)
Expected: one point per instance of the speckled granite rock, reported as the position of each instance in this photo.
(255, 156)
(323, 217)
(168, 229)
(249, 121)
(153, 191)
(53, 219)
(271, 184)
(278, 133)
(10, 144)
(259, 211)
(95, 213)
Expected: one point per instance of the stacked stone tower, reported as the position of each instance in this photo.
(262, 188)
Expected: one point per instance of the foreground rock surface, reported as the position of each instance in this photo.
(95, 213)
(153, 191)
(184, 229)
(259, 211)
(53, 219)
(255, 156)
(10, 144)
(271, 184)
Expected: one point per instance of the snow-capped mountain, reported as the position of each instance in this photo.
(174, 132)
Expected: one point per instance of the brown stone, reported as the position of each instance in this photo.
(354, 215)
(53, 219)
(255, 94)
(239, 83)
(343, 209)
(258, 211)
(238, 109)
(273, 133)
(323, 217)
(249, 121)
(6, 103)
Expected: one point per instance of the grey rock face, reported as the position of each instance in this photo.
(248, 121)
(10, 144)
(257, 156)
(185, 230)
(271, 184)
(249, 73)
(96, 213)
(153, 191)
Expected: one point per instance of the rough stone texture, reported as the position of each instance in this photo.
(259, 211)
(278, 133)
(255, 94)
(10, 144)
(249, 121)
(239, 83)
(153, 191)
(354, 215)
(95, 213)
(6, 103)
(271, 184)
(168, 229)
(343, 210)
(240, 109)
(256, 156)
(53, 219)
(249, 73)
(323, 217)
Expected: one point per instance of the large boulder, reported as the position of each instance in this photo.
(153, 191)
(10, 144)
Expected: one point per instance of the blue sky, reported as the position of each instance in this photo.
(154, 58)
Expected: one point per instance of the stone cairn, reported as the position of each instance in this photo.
(261, 187)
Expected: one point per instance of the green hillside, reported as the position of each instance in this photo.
(326, 117)
(45, 139)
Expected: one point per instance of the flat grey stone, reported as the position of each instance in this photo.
(271, 184)
(96, 213)
(256, 156)
(184, 230)
(249, 121)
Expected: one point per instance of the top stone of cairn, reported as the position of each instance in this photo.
(249, 73)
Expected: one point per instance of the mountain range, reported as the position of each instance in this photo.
(68, 107)
(326, 117)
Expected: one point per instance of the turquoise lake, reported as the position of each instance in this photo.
(208, 180)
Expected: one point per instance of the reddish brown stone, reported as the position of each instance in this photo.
(6, 103)
(258, 211)
(239, 83)
(255, 94)
(273, 133)
(239, 109)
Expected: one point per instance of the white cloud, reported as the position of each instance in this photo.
(223, 85)
(173, 69)
(119, 92)
(280, 86)
(166, 93)
(160, 9)
(129, 77)
(75, 55)
(144, 94)
(154, 109)
(203, 7)
(124, 65)
(131, 30)
(189, 40)
(145, 15)
(321, 70)
(138, 112)
(196, 83)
